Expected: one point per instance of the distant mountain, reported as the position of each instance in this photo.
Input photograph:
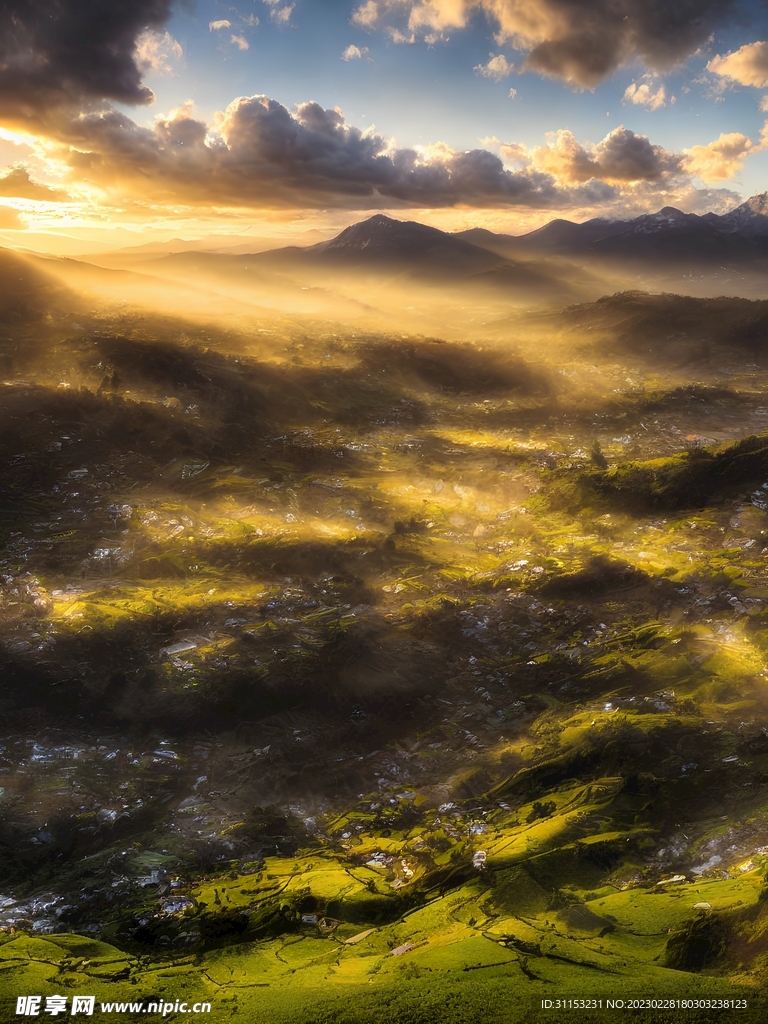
(387, 250)
(751, 218)
(669, 235)
(562, 261)
(666, 219)
(557, 237)
(225, 244)
(381, 241)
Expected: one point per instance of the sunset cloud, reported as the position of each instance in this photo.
(10, 220)
(366, 15)
(580, 41)
(258, 154)
(281, 15)
(498, 67)
(748, 65)
(622, 156)
(723, 158)
(643, 96)
(17, 184)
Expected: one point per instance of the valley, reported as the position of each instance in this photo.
(366, 662)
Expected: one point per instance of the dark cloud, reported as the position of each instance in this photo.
(316, 151)
(621, 157)
(624, 156)
(580, 41)
(589, 39)
(55, 53)
(17, 184)
(262, 154)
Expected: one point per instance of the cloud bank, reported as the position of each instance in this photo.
(723, 158)
(259, 154)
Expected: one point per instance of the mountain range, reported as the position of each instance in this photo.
(381, 263)
(381, 242)
(671, 241)
(374, 254)
(669, 235)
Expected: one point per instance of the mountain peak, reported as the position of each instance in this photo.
(757, 204)
(385, 232)
(751, 218)
(666, 217)
(384, 238)
(383, 241)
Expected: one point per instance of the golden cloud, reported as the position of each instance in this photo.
(643, 96)
(723, 158)
(748, 65)
(17, 184)
(258, 154)
(498, 67)
(621, 157)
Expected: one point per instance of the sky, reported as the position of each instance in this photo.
(125, 123)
